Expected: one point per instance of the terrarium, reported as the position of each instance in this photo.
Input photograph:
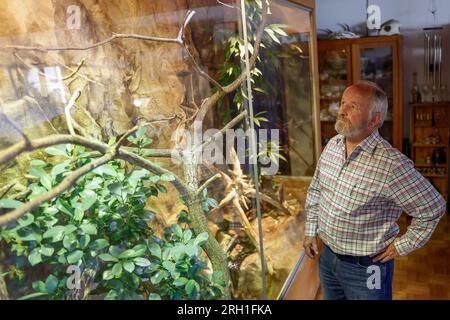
(154, 149)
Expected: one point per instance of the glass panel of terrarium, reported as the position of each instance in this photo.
(284, 119)
(376, 66)
(103, 69)
(333, 79)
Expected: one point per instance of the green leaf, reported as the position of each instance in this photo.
(47, 251)
(75, 256)
(106, 169)
(157, 277)
(141, 262)
(126, 254)
(191, 286)
(55, 232)
(35, 257)
(155, 250)
(139, 250)
(140, 133)
(169, 266)
(89, 198)
(58, 169)
(79, 214)
(115, 188)
(201, 238)
(89, 228)
(161, 188)
(154, 296)
(38, 163)
(115, 251)
(39, 286)
(26, 220)
(129, 266)
(70, 228)
(107, 275)
(64, 206)
(10, 203)
(107, 257)
(117, 269)
(177, 230)
(84, 241)
(46, 181)
(59, 150)
(37, 172)
(187, 235)
(99, 244)
(180, 282)
(51, 283)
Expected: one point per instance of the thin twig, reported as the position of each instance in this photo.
(67, 109)
(229, 125)
(6, 189)
(74, 72)
(229, 5)
(208, 182)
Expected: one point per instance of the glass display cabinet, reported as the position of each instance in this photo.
(133, 163)
(344, 62)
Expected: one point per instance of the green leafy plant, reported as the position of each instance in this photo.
(102, 223)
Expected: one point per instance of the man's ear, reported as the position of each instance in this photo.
(375, 120)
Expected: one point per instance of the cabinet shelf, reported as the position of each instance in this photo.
(423, 129)
(442, 176)
(424, 145)
(426, 165)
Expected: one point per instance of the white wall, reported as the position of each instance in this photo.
(413, 16)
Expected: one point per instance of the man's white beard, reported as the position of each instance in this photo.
(344, 127)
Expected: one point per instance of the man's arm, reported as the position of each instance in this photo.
(419, 199)
(312, 205)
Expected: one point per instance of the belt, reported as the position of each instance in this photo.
(361, 260)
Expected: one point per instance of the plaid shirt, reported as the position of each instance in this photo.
(353, 204)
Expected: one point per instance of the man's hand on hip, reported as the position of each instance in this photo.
(311, 248)
(388, 254)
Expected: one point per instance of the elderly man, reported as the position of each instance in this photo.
(359, 190)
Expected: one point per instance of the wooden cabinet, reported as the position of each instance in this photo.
(345, 62)
(430, 124)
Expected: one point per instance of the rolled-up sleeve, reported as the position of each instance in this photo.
(312, 205)
(416, 196)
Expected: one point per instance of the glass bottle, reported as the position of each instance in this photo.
(415, 91)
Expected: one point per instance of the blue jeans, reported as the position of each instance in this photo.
(354, 278)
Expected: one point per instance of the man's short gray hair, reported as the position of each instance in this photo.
(379, 101)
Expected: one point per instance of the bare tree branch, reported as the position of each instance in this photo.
(228, 5)
(229, 125)
(73, 71)
(68, 108)
(208, 182)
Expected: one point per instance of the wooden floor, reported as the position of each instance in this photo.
(425, 273)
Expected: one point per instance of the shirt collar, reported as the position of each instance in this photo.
(367, 144)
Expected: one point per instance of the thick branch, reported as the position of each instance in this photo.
(68, 182)
(20, 147)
